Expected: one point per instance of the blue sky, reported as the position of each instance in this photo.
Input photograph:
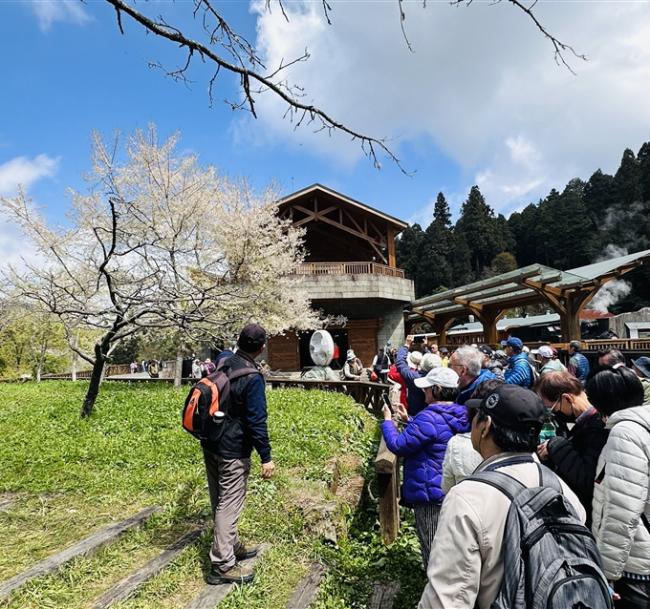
(479, 101)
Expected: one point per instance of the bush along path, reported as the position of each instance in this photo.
(68, 479)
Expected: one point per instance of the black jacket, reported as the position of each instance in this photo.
(575, 457)
(246, 424)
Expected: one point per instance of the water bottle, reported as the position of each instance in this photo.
(219, 417)
(548, 429)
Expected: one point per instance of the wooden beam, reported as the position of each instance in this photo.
(484, 285)
(83, 548)
(541, 287)
(130, 584)
(383, 595)
(390, 241)
(307, 590)
(385, 461)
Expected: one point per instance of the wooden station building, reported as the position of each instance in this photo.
(350, 270)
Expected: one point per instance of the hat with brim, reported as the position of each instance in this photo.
(442, 377)
(642, 364)
(512, 407)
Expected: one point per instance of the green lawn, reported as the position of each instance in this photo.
(72, 477)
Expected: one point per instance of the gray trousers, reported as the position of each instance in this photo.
(227, 480)
(426, 523)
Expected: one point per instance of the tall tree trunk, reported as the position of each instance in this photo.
(75, 358)
(95, 381)
(178, 372)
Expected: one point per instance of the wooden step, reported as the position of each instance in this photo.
(130, 584)
(211, 596)
(305, 593)
(84, 547)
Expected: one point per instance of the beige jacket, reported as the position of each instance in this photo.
(460, 460)
(466, 562)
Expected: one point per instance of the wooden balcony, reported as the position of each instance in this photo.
(349, 268)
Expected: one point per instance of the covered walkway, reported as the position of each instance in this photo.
(565, 292)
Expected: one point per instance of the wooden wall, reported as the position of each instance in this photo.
(283, 352)
(362, 337)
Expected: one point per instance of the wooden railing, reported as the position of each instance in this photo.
(349, 268)
(624, 344)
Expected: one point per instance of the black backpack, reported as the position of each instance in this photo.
(207, 398)
(551, 560)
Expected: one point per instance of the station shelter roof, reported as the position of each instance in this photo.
(526, 285)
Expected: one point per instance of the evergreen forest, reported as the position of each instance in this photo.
(604, 217)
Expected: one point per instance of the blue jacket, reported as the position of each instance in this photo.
(414, 395)
(466, 394)
(579, 366)
(519, 372)
(423, 444)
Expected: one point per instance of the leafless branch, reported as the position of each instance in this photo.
(236, 46)
(560, 48)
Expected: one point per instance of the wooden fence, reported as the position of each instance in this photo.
(366, 393)
(387, 470)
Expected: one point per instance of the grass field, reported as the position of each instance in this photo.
(69, 477)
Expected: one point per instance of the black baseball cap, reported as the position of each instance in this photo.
(251, 338)
(486, 349)
(513, 407)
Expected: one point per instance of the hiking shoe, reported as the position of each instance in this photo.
(242, 552)
(239, 574)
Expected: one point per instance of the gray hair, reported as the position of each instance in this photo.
(471, 359)
(430, 361)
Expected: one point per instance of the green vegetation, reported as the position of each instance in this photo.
(69, 477)
(602, 217)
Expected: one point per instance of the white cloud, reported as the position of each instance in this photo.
(15, 249)
(49, 11)
(22, 171)
(482, 85)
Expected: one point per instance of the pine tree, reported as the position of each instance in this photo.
(435, 269)
(480, 230)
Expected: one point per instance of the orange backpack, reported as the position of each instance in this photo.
(207, 405)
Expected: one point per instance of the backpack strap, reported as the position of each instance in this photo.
(501, 481)
(516, 460)
(548, 479)
(241, 372)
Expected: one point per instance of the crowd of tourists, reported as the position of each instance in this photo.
(529, 481)
(494, 447)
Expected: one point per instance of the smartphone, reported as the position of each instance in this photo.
(419, 338)
(384, 396)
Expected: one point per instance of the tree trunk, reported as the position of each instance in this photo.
(178, 372)
(95, 382)
(75, 358)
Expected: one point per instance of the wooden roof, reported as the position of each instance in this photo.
(395, 223)
(524, 286)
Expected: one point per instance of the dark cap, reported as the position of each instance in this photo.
(486, 350)
(512, 407)
(643, 365)
(251, 338)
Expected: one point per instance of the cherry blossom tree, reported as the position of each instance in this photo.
(159, 241)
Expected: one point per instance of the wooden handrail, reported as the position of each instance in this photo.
(349, 268)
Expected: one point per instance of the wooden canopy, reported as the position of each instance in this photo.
(361, 233)
(566, 292)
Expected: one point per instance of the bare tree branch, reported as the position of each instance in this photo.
(235, 44)
(560, 48)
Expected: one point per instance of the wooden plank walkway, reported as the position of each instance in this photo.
(305, 594)
(130, 584)
(85, 546)
(211, 596)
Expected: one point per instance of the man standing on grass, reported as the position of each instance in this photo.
(228, 462)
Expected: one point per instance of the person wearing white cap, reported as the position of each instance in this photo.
(547, 362)
(422, 444)
(353, 367)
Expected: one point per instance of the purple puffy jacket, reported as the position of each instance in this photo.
(423, 444)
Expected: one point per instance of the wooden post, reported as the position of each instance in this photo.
(388, 481)
(390, 246)
(489, 318)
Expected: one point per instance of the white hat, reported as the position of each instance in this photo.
(350, 354)
(545, 351)
(443, 377)
(414, 359)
